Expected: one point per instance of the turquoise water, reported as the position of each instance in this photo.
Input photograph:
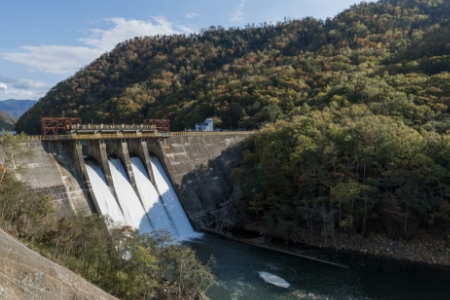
(12, 132)
(238, 268)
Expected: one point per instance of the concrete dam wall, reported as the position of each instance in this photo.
(198, 167)
(49, 168)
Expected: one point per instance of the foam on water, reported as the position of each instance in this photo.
(171, 201)
(105, 199)
(274, 279)
(132, 208)
(151, 200)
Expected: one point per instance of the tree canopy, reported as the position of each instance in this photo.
(7, 121)
(391, 55)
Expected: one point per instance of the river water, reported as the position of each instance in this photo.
(239, 266)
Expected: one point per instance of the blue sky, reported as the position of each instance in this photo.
(46, 41)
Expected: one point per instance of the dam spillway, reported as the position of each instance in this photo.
(105, 199)
(132, 209)
(152, 202)
(196, 167)
(145, 211)
(170, 200)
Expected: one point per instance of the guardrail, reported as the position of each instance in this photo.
(203, 133)
(108, 136)
(108, 127)
(75, 137)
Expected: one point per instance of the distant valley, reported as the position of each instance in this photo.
(16, 108)
(11, 110)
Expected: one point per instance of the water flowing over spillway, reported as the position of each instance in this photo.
(151, 209)
(171, 201)
(105, 199)
(132, 208)
(151, 200)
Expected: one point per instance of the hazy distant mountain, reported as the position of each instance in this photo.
(16, 108)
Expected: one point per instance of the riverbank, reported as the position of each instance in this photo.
(425, 249)
(259, 242)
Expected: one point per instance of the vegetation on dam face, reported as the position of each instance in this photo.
(115, 258)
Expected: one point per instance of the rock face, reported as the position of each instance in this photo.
(24, 274)
(424, 248)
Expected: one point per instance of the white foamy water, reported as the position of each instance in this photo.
(171, 201)
(105, 199)
(274, 279)
(132, 208)
(151, 200)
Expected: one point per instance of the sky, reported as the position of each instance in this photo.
(44, 42)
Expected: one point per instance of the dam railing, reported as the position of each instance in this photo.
(108, 136)
(203, 133)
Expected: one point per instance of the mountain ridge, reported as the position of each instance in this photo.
(244, 77)
(16, 107)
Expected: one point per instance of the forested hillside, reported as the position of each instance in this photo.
(11, 110)
(391, 55)
(355, 108)
(7, 121)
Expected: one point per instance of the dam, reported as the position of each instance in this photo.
(136, 177)
(88, 174)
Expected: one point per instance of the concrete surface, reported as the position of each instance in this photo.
(97, 150)
(48, 168)
(119, 149)
(199, 168)
(139, 148)
(24, 274)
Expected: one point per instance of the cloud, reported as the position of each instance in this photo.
(53, 58)
(11, 88)
(106, 40)
(192, 15)
(237, 16)
(185, 28)
(61, 59)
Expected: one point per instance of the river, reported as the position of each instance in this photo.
(238, 268)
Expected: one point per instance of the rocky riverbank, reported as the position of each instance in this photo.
(426, 249)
